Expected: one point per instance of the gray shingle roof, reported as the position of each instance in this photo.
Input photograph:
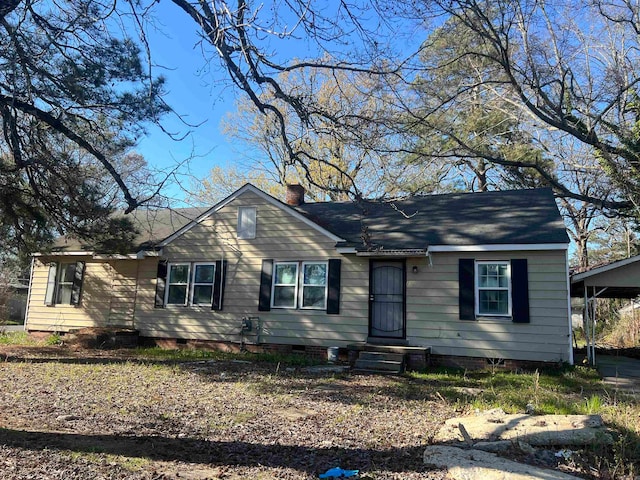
(152, 226)
(503, 217)
(460, 219)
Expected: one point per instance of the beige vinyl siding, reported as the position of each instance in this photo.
(108, 296)
(433, 311)
(279, 236)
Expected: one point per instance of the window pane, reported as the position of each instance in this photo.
(503, 279)
(179, 274)
(64, 294)
(202, 294)
(492, 276)
(177, 294)
(315, 274)
(204, 274)
(284, 296)
(246, 222)
(286, 274)
(493, 302)
(68, 272)
(313, 297)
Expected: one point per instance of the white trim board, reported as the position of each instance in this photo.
(266, 197)
(498, 247)
(94, 255)
(54, 253)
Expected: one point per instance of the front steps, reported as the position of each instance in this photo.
(387, 358)
(380, 362)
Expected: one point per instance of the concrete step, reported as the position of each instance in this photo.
(381, 356)
(382, 366)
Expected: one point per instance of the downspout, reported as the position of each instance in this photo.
(566, 257)
(26, 310)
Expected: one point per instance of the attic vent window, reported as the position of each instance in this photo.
(246, 223)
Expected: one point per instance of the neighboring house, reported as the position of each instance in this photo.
(476, 277)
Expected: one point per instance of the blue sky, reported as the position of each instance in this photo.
(204, 98)
(201, 98)
(190, 94)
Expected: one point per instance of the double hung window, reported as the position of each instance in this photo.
(300, 285)
(493, 288)
(64, 283)
(66, 276)
(285, 285)
(314, 285)
(190, 283)
(178, 284)
(203, 279)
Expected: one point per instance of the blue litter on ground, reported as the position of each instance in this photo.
(338, 472)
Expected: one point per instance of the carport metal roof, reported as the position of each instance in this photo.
(619, 279)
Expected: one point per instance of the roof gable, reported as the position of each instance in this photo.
(264, 196)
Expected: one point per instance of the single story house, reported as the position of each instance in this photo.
(475, 277)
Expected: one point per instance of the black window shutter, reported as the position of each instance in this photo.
(161, 281)
(264, 303)
(466, 285)
(333, 290)
(50, 294)
(76, 289)
(520, 291)
(218, 284)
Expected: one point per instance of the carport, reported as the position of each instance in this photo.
(619, 279)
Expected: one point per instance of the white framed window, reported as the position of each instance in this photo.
(177, 283)
(285, 285)
(314, 285)
(204, 275)
(493, 288)
(247, 223)
(300, 285)
(64, 282)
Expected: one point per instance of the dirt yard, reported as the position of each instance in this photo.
(65, 415)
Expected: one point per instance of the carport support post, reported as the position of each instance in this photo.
(585, 323)
(593, 327)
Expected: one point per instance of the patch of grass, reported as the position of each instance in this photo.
(24, 339)
(592, 405)
(53, 339)
(181, 354)
(561, 392)
(132, 464)
(190, 354)
(16, 338)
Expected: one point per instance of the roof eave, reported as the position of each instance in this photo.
(497, 247)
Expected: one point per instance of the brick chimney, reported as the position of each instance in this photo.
(295, 195)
